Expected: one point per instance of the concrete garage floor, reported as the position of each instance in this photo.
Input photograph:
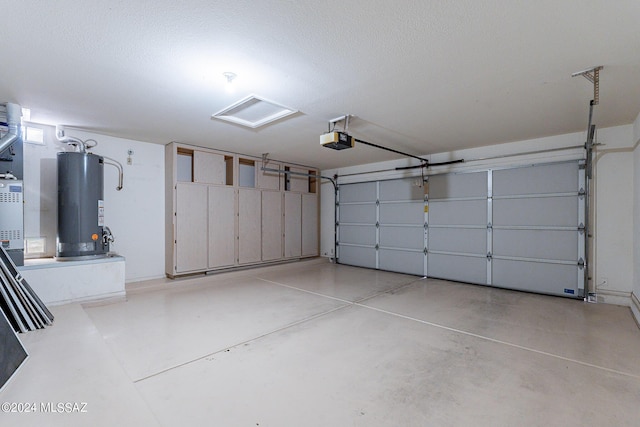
(315, 344)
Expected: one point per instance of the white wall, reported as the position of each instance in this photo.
(41, 191)
(135, 215)
(635, 306)
(613, 215)
(612, 195)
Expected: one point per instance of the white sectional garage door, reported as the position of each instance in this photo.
(519, 228)
(382, 225)
(401, 234)
(357, 232)
(538, 229)
(457, 224)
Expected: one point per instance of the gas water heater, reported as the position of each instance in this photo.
(82, 233)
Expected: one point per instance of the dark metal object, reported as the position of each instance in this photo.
(19, 302)
(80, 206)
(13, 353)
(424, 161)
(588, 146)
(451, 162)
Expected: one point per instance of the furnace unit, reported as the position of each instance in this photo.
(11, 223)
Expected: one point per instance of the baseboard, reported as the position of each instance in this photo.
(614, 297)
(635, 307)
(221, 274)
(100, 299)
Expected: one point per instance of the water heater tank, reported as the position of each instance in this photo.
(80, 206)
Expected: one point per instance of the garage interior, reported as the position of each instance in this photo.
(466, 254)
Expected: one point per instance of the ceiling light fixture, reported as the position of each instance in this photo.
(254, 111)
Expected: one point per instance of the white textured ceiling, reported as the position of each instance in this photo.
(421, 76)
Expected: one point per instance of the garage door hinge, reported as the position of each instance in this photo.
(489, 226)
(337, 224)
(426, 225)
(581, 228)
(489, 256)
(377, 247)
(377, 202)
(377, 225)
(582, 193)
(426, 251)
(580, 263)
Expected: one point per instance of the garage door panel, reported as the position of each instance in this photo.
(358, 234)
(541, 244)
(543, 179)
(535, 212)
(358, 213)
(400, 189)
(402, 261)
(402, 213)
(400, 232)
(361, 192)
(402, 237)
(545, 211)
(458, 185)
(464, 240)
(458, 268)
(358, 256)
(541, 277)
(462, 212)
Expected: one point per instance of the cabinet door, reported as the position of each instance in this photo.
(209, 168)
(271, 225)
(309, 225)
(292, 225)
(222, 230)
(191, 227)
(249, 226)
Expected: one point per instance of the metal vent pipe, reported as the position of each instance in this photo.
(14, 113)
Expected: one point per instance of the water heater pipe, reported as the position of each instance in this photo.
(83, 146)
(118, 165)
(71, 140)
(14, 113)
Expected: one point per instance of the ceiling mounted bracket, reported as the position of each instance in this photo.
(345, 119)
(593, 75)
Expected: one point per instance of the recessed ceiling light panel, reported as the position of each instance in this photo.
(253, 112)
